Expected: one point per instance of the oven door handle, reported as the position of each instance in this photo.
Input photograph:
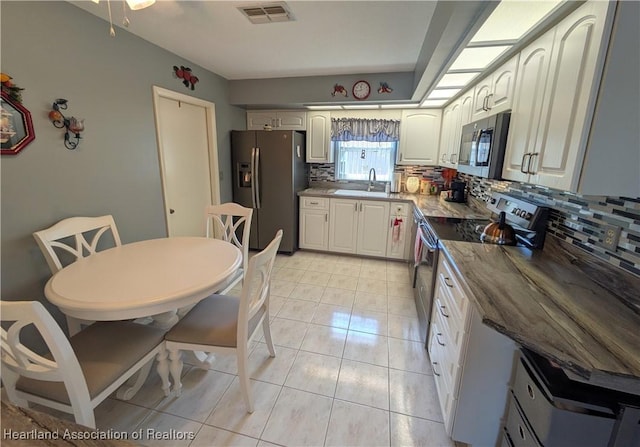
(431, 245)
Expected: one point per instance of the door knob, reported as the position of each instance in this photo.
(171, 211)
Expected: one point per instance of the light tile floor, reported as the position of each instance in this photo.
(350, 369)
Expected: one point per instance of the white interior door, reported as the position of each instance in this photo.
(185, 128)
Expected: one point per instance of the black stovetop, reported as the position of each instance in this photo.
(456, 229)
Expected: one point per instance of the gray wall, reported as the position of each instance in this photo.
(56, 50)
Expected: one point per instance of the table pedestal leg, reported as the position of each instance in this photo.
(165, 320)
(133, 385)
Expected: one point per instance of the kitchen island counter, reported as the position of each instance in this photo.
(560, 302)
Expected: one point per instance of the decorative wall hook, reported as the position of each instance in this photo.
(72, 125)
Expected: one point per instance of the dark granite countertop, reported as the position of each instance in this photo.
(560, 302)
(429, 205)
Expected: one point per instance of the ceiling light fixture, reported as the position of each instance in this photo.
(399, 106)
(139, 4)
(134, 5)
(430, 103)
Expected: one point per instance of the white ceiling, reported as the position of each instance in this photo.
(326, 37)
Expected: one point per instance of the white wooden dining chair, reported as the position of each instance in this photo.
(225, 222)
(78, 373)
(221, 323)
(71, 239)
(75, 236)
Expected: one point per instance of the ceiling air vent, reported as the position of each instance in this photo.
(267, 13)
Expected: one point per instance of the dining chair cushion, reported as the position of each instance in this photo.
(213, 321)
(105, 351)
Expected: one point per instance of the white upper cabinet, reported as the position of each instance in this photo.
(419, 137)
(495, 93)
(450, 135)
(569, 99)
(558, 77)
(319, 137)
(614, 138)
(466, 107)
(277, 119)
(525, 116)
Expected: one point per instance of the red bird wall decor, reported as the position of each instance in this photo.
(184, 73)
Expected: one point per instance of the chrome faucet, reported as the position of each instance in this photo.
(372, 170)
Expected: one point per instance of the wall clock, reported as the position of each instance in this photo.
(361, 90)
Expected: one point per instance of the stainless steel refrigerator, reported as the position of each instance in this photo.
(268, 171)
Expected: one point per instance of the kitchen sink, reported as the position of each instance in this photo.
(357, 193)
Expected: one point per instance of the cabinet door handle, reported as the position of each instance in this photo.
(484, 103)
(534, 154)
(326, 217)
(279, 122)
(356, 205)
(446, 281)
(313, 203)
(438, 339)
(443, 158)
(442, 312)
(488, 98)
(524, 156)
(452, 159)
(401, 155)
(530, 392)
(433, 364)
(360, 206)
(521, 432)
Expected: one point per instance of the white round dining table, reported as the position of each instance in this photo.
(143, 278)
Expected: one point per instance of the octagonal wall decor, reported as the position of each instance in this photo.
(16, 128)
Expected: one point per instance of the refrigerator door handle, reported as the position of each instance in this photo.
(253, 177)
(257, 177)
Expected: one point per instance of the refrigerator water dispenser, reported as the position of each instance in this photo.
(244, 175)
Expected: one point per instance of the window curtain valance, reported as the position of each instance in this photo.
(350, 129)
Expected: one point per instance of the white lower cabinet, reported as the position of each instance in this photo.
(343, 225)
(358, 226)
(471, 363)
(376, 228)
(314, 223)
(398, 228)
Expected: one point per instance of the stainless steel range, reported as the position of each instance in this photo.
(529, 223)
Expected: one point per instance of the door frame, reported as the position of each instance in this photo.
(212, 140)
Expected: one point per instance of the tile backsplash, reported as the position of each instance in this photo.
(579, 220)
(326, 173)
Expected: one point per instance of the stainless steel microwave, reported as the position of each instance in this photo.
(482, 146)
